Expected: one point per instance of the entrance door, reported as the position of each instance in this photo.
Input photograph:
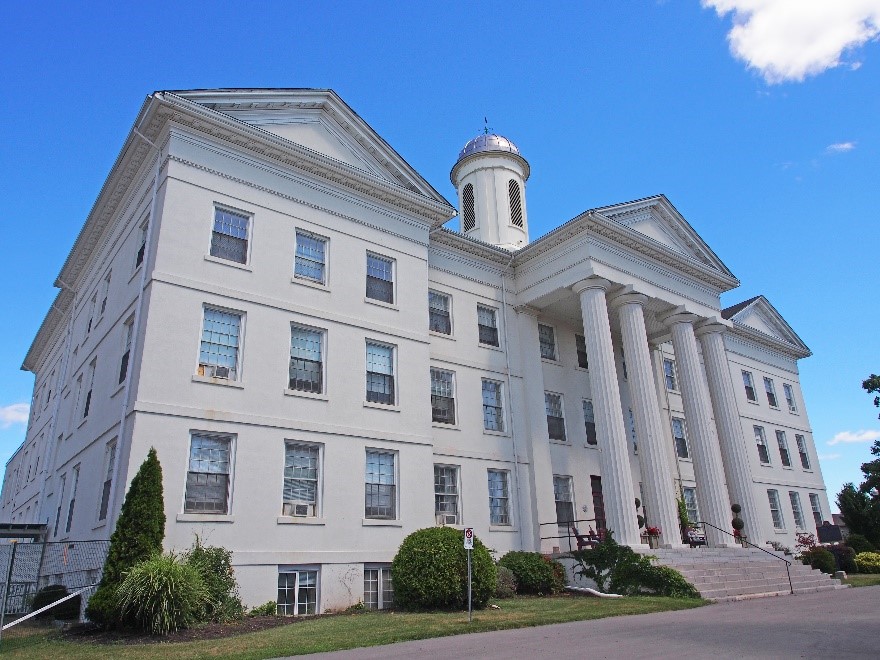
(598, 503)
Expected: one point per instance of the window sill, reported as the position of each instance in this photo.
(781, 531)
(382, 303)
(377, 522)
(564, 443)
(101, 524)
(502, 528)
(589, 446)
(685, 460)
(793, 412)
(552, 361)
(773, 407)
(490, 347)
(310, 283)
(82, 422)
(307, 395)
(442, 335)
(808, 470)
(503, 434)
(754, 403)
(382, 406)
(769, 465)
(223, 382)
(227, 262)
(97, 322)
(296, 520)
(205, 517)
(118, 389)
(787, 467)
(448, 427)
(580, 368)
(137, 271)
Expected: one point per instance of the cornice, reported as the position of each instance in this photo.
(48, 328)
(761, 340)
(472, 246)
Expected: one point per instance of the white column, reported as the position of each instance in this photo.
(537, 441)
(708, 469)
(617, 485)
(660, 500)
(734, 450)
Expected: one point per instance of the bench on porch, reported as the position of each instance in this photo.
(589, 540)
(695, 537)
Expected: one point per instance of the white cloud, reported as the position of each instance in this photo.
(789, 40)
(840, 147)
(857, 436)
(828, 457)
(17, 413)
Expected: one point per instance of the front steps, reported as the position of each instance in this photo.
(725, 574)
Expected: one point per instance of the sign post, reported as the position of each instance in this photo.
(469, 545)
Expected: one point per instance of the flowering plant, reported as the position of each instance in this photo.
(737, 534)
(652, 531)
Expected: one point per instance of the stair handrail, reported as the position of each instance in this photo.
(749, 543)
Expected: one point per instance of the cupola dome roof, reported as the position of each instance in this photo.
(488, 142)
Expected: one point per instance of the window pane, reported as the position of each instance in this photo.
(783, 448)
(499, 513)
(379, 485)
(446, 494)
(581, 345)
(555, 420)
(442, 401)
(493, 418)
(438, 313)
(796, 510)
(380, 282)
(562, 494)
(681, 447)
(547, 341)
(207, 482)
(306, 366)
(220, 337)
(309, 262)
(589, 422)
(229, 238)
(300, 494)
(488, 329)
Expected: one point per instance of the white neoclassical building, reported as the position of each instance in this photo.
(266, 293)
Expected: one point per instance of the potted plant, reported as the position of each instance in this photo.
(653, 534)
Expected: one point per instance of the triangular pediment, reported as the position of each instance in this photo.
(758, 314)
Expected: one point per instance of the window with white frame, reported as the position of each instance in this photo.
(632, 431)
(796, 509)
(218, 350)
(142, 244)
(493, 412)
(689, 494)
(749, 384)
(90, 387)
(499, 497)
(442, 396)
(817, 509)
(62, 483)
(784, 455)
(109, 465)
(487, 325)
(310, 262)
(446, 494)
(439, 318)
(380, 278)
(380, 486)
(680, 437)
(563, 494)
(775, 508)
(771, 392)
(306, 371)
(547, 341)
(297, 591)
(74, 484)
(789, 397)
(105, 292)
(802, 450)
(590, 422)
(669, 375)
(229, 238)
(208, 474)
(555, 418)
(128, 333)
(301, 474)
(378, 588)
(761, 442)
(380, 374)
(580, 343)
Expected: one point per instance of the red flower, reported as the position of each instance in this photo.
(652, 531)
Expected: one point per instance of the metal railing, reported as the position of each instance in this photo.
(568, 524)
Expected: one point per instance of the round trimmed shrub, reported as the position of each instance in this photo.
(845, 558)
(860, 544)
(820, 558)
(66, 611)
(737, 509)
(868, 562)
(534, 573)
(506, 587)
(430, 571)
(737, 524)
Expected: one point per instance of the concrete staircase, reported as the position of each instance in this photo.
(724, 574)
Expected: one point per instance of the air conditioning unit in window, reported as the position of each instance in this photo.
(298, 509)
(213, 371)
(447, 519)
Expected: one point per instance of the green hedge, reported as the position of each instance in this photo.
(820, 558)
(535, 574)
(860, 544)
(868, 562)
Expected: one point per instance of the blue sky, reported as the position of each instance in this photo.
(757, 118)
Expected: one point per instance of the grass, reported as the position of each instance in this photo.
(863, 580)
(334, 633)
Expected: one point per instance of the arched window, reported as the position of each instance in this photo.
(515, 203)
(468, 219)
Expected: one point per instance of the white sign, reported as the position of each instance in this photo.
(468, 538)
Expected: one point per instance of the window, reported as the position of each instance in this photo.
(297, 592)
(580, 343)
(761, 441)
(563, 495)
(438, 313)
(311, 257)
(493, 413)
(771, 392)
(547, 340)
(796, 510)
(487, 325)
(590, 422)
(109, 465)
(750, 386)
(623, 364)
(468, 219)
(680, 438)
(775, 509)
(555, 419)
(499, 497)
(690, 503)
(632, 431)
(817, 509)
(380, 374)
(515, 197)
(207, 481)
(378, 590)
(105, 294)
(380, 492)
(229, 240)
(380, 278)
(92, 307)
(306, 365)
(789, 397)
(446, 494)
(142, 245)
(442, 396)
(784, 456)
(62, 484)
(669, 374)
(128, 330)
(802, 450)
(218, 353)
(301, 466)
(90, 383)
(74, 478)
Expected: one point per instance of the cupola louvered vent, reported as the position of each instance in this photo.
(468, 219)
(516, 215)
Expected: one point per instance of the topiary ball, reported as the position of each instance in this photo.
(737, 524)
(736, 508)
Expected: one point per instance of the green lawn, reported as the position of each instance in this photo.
(333, 633)
(863, 580)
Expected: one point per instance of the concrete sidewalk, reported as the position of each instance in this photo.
(837, 624)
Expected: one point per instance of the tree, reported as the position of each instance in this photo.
(871, 386)
(139, 532)
(860, 507)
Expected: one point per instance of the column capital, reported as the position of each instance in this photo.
(709, 326)
(528, 310)
(677, 315)
(628, 297)
(592, 282)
